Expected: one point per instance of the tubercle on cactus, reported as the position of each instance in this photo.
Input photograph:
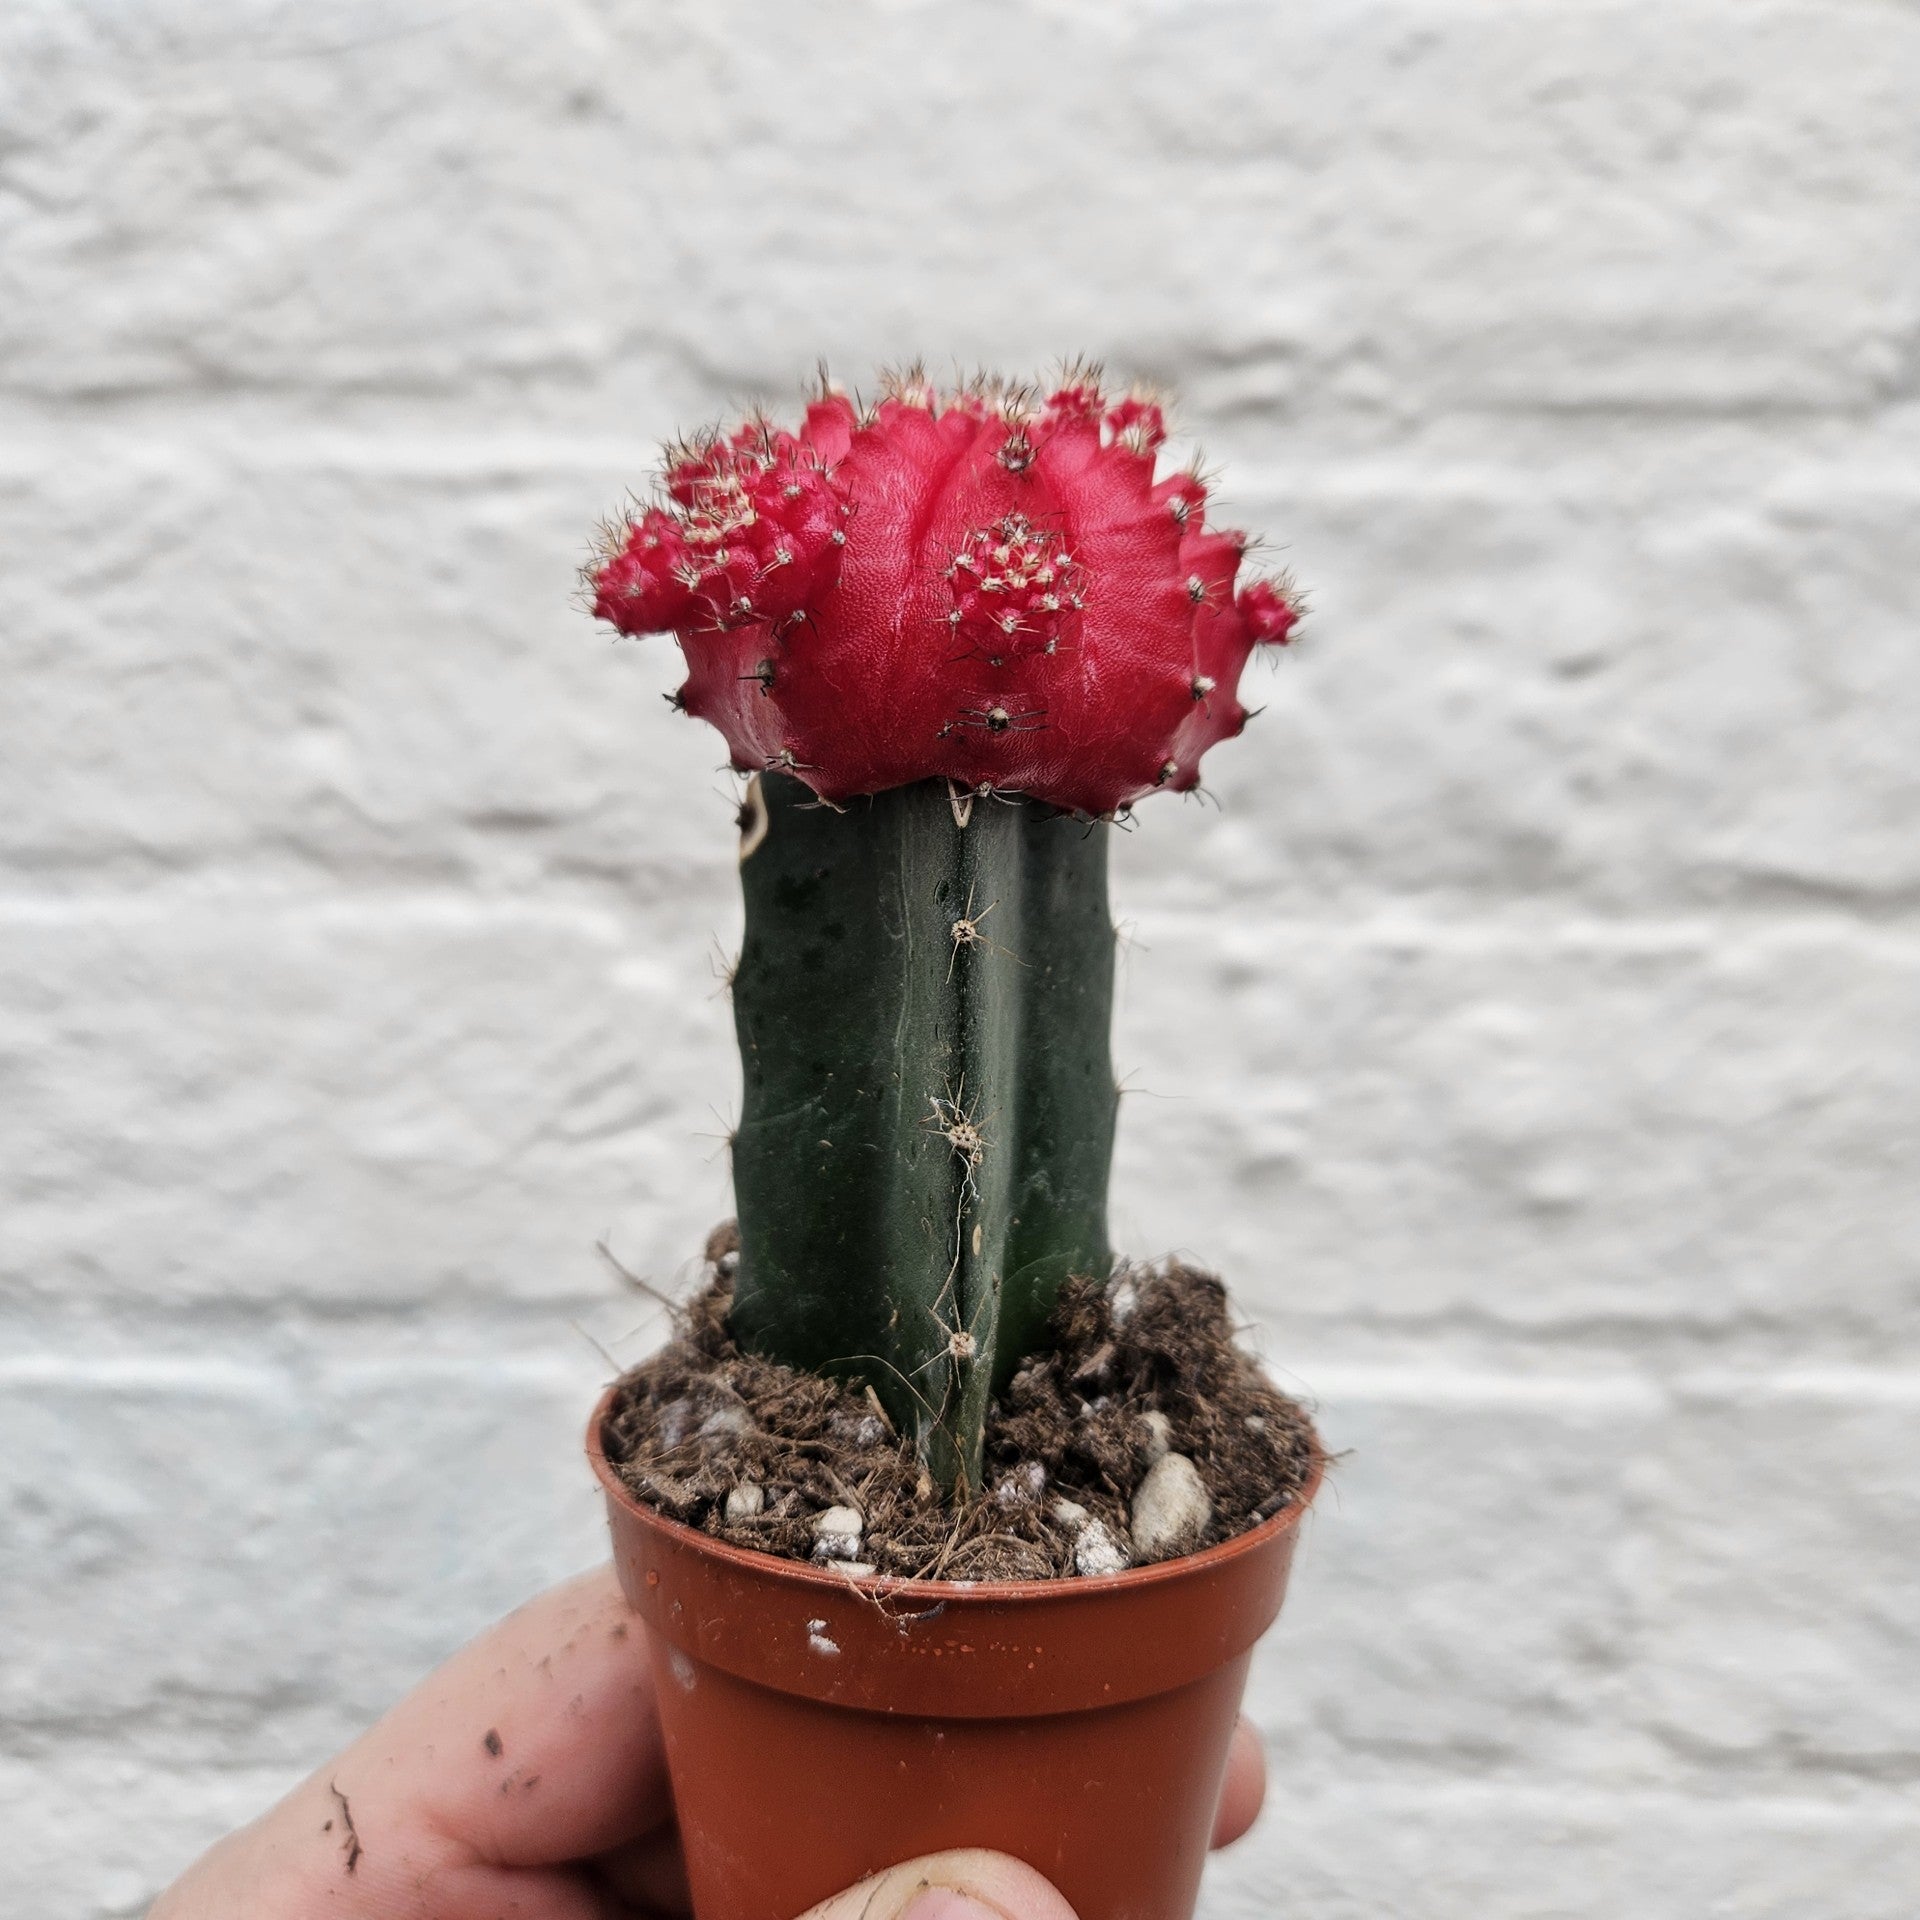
(985, 586)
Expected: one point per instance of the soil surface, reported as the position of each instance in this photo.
(1085, 1450)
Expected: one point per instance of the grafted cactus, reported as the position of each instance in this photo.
(950, 637)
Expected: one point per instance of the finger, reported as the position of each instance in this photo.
(536, 1743)
(1244, 1788)
(318, 1852)
(964, 1885)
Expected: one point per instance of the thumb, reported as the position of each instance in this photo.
(968, 1884)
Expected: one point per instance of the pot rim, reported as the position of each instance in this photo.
(878, 1586)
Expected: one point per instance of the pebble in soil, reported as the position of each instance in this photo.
(1141, 1431)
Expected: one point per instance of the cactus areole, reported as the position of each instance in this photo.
(950, 636)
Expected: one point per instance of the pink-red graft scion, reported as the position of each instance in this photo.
(982, 585)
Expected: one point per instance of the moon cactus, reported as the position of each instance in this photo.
(949, 636)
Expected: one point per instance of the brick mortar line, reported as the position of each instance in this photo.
(1560, 1800)
(1415, 469)
(1867, 1802)
(577, 906)
(239, 1378)
(233, 1378)
(1303, 1349)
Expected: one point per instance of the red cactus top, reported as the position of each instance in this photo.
(979, 585)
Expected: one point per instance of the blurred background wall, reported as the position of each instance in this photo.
(1532, 1036)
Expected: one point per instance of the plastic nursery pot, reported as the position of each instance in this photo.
(819, 1728)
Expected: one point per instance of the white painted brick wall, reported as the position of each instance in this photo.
(1534, 1038)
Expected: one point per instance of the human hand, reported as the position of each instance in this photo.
(526, 1778)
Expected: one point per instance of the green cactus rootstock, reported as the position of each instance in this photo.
(924, 1005)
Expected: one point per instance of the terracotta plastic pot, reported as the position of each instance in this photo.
(819, 1728)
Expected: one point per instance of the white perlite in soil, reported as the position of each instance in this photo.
(1170, 1509)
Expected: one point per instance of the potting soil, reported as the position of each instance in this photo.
(1136, 1367)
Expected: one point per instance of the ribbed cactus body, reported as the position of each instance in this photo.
(923, 1000)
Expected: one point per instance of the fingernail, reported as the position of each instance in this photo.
(948, 1903)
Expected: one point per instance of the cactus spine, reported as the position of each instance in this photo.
(924, 1001)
